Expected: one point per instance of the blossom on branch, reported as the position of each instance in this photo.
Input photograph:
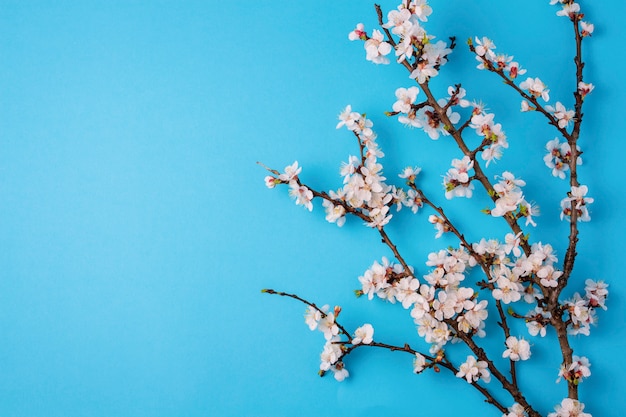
(596, 292)
(473, 370)
(516, 410)
(406, 98)
(578, 369)
(377, 49)
(419, 363)
(559, 156)
(302, 195)
(584, 89)
(563, 115)
(457, 181)
(577, 198)
(363, 334)
(569, 408)
(358, 33)
(516, 349)
(536, 88)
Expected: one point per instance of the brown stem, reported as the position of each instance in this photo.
(387, 241)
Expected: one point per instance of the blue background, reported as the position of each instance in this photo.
(136, 232)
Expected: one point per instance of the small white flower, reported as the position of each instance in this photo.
(517, 349)
(473, 370)
(363, 334)
(419, 363)
(569, 408)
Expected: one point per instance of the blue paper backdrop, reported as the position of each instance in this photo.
(136, 232)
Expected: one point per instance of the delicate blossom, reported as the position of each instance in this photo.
(484, 48)
(536, 88)
(457, 181)
(348, 118)
(363, 334)
(516, 349)
(596, 292)
(559, 156)
(569, 10)
(492, 134)
(563, 115)
(377, 49)
(419, 363)
(339, 371)
(271, 182)
(312, 316)
(473, 370)
(577, 198)
(334, 213)
(536, 321)
(516, 410)
(548, 276)
(569, 408)
(399, 21)
(509, 194)
(584, 89)
(331, 354)
(291, 173)
(587, 29)
(410, 174)
(406, 98)
(328, 326)
(421, 9)
(302, 194)
(441, 226)
(358, 33)
(576, 371)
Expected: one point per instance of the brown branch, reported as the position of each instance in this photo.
(310, 304)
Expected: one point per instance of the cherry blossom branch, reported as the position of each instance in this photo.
(484, 266)
(442, 309)
(358, 213)
(457, 134)
(508, 81)
(350, 346)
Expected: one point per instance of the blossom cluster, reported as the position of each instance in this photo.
(364, 190)
(510, 199)
(559, 156)
(473, 370)
(415, 47)
(334, 348)
(517, 276)
(423, 116)
(457, 181)
(439, 305)
(577, 201)
(301, 193)
(582, 309)
(484, 49)
(493, 136)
